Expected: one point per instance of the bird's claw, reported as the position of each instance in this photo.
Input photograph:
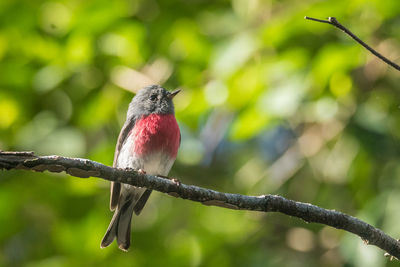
(141, 171)
(388, 255)
(176, 181)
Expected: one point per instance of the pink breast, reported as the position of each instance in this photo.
(156, 132)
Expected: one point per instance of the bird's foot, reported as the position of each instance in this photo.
(141, 171)
(391, 257)
(176, 181)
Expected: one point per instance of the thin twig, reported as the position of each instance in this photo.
(267, 203)
(333, 21)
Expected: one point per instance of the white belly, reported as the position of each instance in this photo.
(157, 163)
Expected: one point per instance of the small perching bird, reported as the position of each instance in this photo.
(148, 142)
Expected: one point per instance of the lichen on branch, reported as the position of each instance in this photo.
(85, 168)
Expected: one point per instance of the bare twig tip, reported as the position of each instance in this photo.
(333, 21)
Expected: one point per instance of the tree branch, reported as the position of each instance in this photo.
(268, 203)
(333, 21)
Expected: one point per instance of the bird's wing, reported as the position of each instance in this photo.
(115, 186)
(139, 205)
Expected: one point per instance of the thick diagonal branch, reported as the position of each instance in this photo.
(333, 21)
(267, 203)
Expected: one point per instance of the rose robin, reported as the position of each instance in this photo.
(149, 142)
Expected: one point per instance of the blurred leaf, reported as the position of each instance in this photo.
(270, 103)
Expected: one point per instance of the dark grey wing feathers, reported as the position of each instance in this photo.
(142, 201)
(128, 126)
(115, 186)
(114, 196)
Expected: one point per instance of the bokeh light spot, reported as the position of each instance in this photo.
(340, 84)
(55, 18)
(216, 92)
(8, 112)
(300, 239)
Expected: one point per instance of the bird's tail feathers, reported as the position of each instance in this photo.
(111, 232)
(120, 225)
(124, 225)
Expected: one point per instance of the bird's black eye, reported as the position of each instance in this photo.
(153, 97)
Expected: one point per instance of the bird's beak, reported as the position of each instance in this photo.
(174, 93)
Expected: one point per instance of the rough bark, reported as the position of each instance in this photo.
(84, 168)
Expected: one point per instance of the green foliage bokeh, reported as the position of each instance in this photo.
(271, 104)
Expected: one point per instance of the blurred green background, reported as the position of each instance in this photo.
(271, 104)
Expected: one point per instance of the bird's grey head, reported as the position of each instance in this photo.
(152, 99)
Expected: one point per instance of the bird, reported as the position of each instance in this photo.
(148, 142)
